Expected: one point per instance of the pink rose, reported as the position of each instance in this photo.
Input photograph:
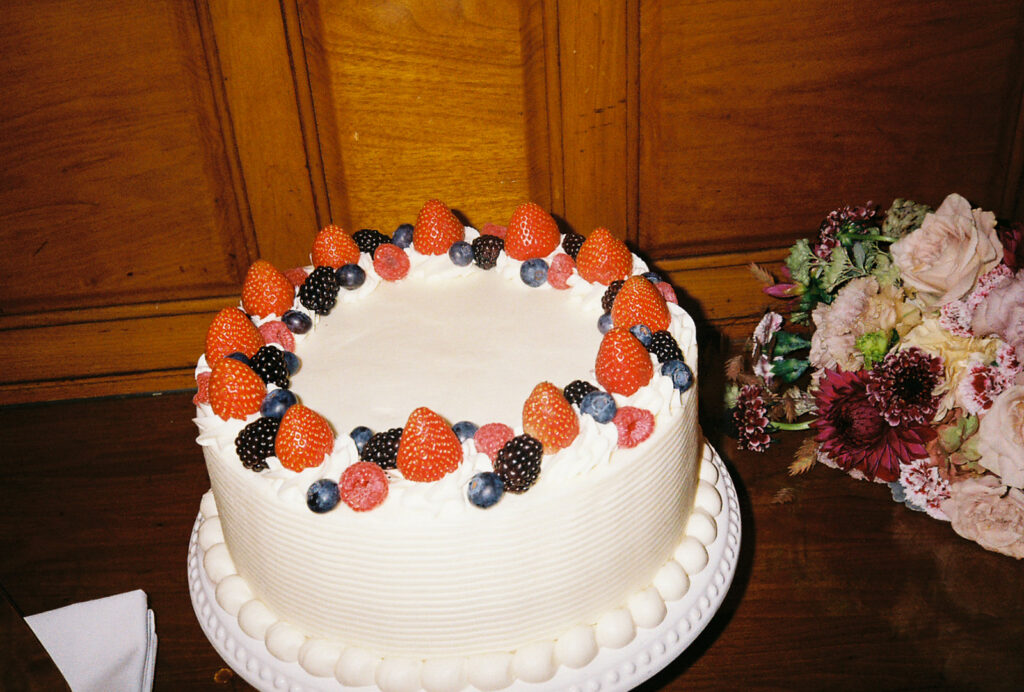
(1001, 314)
(1001, 437)
(985, 511)
(945, 256)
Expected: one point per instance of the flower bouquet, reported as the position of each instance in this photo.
(903, 356)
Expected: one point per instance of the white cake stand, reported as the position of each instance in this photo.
(612, 670)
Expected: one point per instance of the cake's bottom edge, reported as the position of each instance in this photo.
(533, 662)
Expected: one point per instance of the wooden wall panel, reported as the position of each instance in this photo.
(758, 118)
(417, 99)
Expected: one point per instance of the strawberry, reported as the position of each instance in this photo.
(303, 439)
(640, 302)
(266, 290)
(623, 364)
(436, 229)
(231, 331)
(428, 449)
(235, 390)
(549, 417)
(603, 258)
(531, 233)
(333, 247)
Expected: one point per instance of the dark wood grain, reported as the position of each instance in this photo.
(839, 589)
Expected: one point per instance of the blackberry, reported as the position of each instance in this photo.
(571, 243)
(319, 292)
(256, 442)
(664, 346)
(609, 294)
(518, 463)
(486, 249)
(270, 365)
(576, 390)
(382, 448)
(368, 239)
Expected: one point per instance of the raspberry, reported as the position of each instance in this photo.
(363, 486)
(202, 389)
(269, 364)
(490, 438)
(576, 390)
(368, 239)
(610, 293)
(382, 448)
(320, 291)
(562, 267)
(634, 425)
(571, 243)
(486, 249)
(256, 442)
(390, 262)
(276, 332)
(667, 292)
(518, 463)
(297, 276)
(493, 229)
(664, 346)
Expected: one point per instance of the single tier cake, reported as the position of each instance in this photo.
(447, 458)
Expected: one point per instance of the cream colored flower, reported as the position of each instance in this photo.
(1001, 437)
(984, 510)
(943, 258)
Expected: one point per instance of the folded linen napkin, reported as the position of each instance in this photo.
(105, 645)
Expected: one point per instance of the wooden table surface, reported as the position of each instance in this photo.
(839, 588)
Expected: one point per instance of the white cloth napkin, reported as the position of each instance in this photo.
(105, 645)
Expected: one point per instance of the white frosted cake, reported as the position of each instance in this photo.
(549, 523)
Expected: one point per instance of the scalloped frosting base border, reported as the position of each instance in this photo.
(625, 647)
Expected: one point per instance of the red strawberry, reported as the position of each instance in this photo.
(275, 332)
(634, 425)
(266, 290)
(390, 262)
(202, 389)
(436, 229)
(550, 418)
(562, 267)
(603, 258)
(531, 233)
(231, 331)
(428, 449)
(623, 364)
(303, 439)
(333, 247)
(490, 438)
(235, 390)
(297, 275)
(640, 302)
(363, 486)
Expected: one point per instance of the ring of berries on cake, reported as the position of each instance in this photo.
(244, 375)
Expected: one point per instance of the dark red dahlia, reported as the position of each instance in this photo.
(902, 387)
(751, 416)
(853, 433)
(1012, 239)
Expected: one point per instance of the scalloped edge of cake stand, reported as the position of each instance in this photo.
(612, 670)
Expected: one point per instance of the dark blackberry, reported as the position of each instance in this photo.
(576, 390)
(256, 442)
(518, 463)
(571, 243)
(609, 294)
(270, 365)
(382, 448)
(664, 346)
(319, 292)
(486, 249)
(368, 239)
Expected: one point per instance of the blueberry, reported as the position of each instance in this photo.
(600, 405)
(402, 237)
(291, 362)
(350, 276)
(464, 429)
(323, 495)
(461, 253)
(297, 322)
(240, 357)
(604, 322)
(276, 403)
(653, 277)
(682, 376)
(485, 489)
(534, 272)
(642, 333)
(361, 435)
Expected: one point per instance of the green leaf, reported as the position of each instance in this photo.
(860, 255)
(786, 342)
(789, 369)
(800, 261)
(884, 271)
(836, 270)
